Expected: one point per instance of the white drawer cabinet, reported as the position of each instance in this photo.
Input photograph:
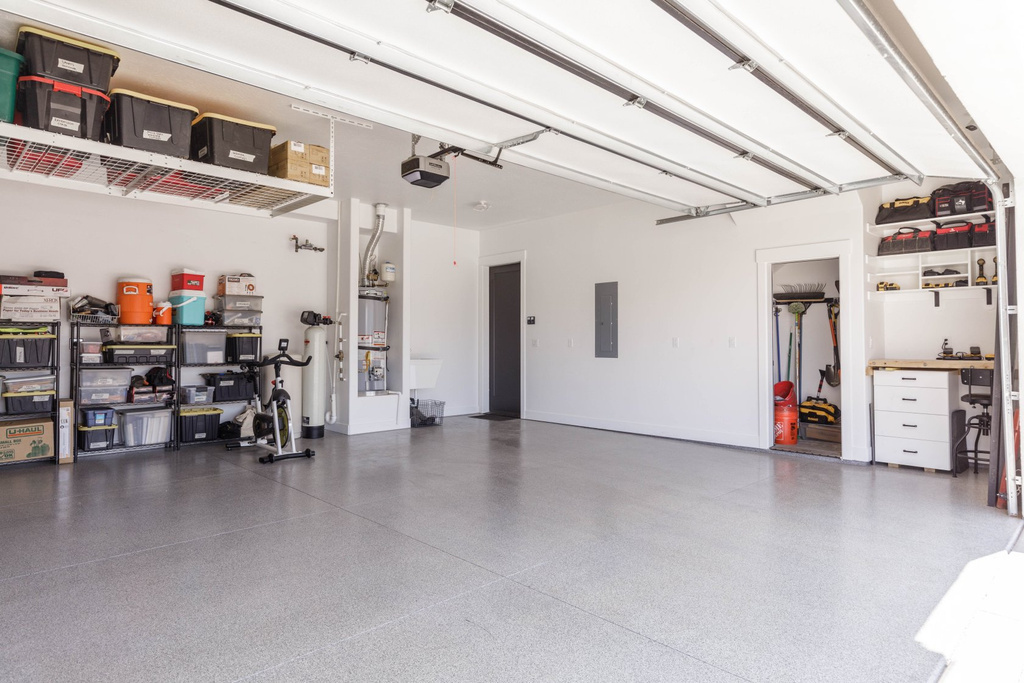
(912, 416)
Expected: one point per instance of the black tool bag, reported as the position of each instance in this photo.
(819, 411)
(983, 234)
(914, 240)
(887, 246)
(953, 235)
(960, 198)
(910, 209)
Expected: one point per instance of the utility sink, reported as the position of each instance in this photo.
(424, 372)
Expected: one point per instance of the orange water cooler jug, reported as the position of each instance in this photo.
(135, 297)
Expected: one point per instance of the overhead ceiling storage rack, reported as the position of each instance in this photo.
(35, 156)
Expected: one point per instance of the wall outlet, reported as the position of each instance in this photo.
(732, 342)
(675, 342)
(570, 342)
(535, 343)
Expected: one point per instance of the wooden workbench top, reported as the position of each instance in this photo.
(935, 364)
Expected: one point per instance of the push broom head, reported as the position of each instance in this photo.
(805, 292)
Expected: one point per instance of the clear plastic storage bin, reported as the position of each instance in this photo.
(203, 346)
(145, 427)
(105, 377)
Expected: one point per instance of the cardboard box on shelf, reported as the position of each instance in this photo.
(236, 284)
(33, 290)
(29, 309)
(302, 171)
(293, 150)
(26, 440)
(65, 425)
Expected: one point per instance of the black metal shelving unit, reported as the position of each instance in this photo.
(250, 329)
(77, 366)
(54, 368)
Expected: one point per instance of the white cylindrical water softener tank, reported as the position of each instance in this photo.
(314, 383)
(388, 272)
(372, 362)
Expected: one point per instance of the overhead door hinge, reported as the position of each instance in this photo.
(1014, 395)
(1011, 310)
(1007, 203)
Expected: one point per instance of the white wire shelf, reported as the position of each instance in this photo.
(35, 156)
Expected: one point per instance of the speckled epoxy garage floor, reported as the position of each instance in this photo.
(479, 551)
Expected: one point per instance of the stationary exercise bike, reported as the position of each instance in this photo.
(275, 422)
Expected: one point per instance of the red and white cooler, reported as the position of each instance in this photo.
(186, 279)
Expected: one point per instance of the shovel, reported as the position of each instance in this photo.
(832, 372)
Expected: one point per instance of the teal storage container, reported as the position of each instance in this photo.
(189, 307)
(10, 69)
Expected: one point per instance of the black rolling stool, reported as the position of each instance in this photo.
(975, 379)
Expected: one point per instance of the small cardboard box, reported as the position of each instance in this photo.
(26, 440)
(293, 150)
(302, 171)
(30, 309)
(236, 284)
(65, 423)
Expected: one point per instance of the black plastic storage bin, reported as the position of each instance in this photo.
(95, 438)
(143, 122)
(199, 425)
(224, 141)
(25, 350)
(98, 417)
(231, 386)
(29, 402)
(61, 108)
(138, 354)
(66, 59)
(243, 348)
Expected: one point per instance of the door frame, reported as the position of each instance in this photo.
(851, 319)
(484, 326)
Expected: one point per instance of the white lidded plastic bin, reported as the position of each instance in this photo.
(147, 427)
(204, 346)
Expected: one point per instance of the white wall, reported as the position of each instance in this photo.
(444, 311)
(697, 281)
(94, 239)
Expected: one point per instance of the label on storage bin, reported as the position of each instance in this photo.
(68, 65)
(64, 123)
(19, 355)
(242, 156)
(247, 356)
(200, 435)
(299, 147)
(228, 383)
(317, 169)
(40, 399)
(156, 135)
(97, 396)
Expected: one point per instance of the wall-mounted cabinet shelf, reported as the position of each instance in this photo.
(922, 271)
(889, 228)
(36, 156)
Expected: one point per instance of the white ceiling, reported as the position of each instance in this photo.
(218, 59)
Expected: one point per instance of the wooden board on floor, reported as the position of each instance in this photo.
(827, 449)
(833, 433)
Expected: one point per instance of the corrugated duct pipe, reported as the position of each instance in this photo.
(378, 228)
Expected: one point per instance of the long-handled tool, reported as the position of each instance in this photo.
(832, 374)
(789, 357)
(778, 348)
(797, 309)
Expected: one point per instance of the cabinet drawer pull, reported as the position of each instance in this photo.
(910, 399)
(909, 379)
(906, 451)
(906, 425)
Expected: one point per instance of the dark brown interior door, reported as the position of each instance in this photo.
(505, 336)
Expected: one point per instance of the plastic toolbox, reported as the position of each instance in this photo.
(194, 394)
(149, 123)
(98, 438)
(66, 59)
(33, 383)
(243, 347)
(138, 354)
(98, 417)
(61, 108)
(145, 427)
(97, 396)
(224, 141)
(238, 302)
(29, 402)
(199, 424)
(10, 69)
(105, 377)
(202, 346)
(18, 349)
(124, 334)
(241, 319)
(231, 386)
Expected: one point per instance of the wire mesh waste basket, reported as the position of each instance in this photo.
(426, 412)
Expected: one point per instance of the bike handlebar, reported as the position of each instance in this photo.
(282, 359)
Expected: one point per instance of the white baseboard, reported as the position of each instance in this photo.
(670, 431)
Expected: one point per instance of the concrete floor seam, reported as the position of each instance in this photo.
(161, 547)
(626, 628)
(378, 627)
